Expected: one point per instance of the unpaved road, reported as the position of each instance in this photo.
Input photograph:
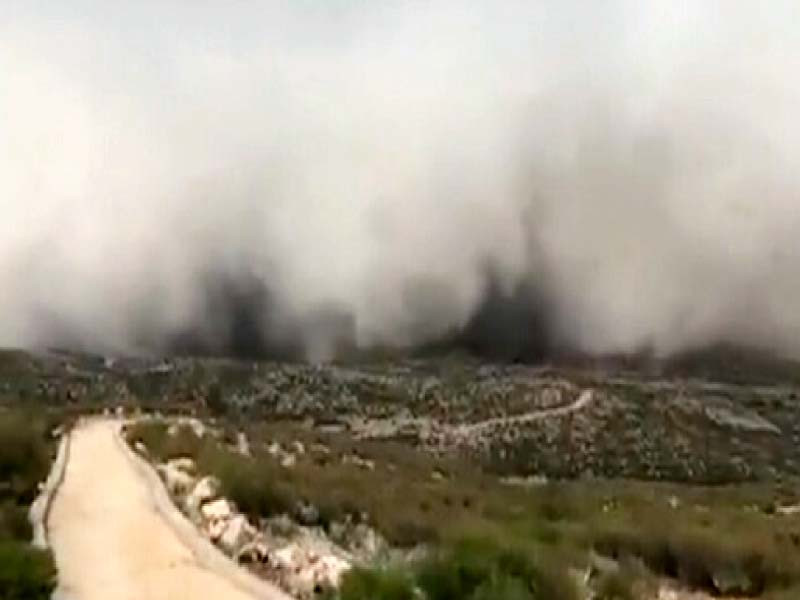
(586, 397)
(110, 541)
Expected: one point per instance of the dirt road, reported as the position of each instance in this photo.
(110, 540)
(585, 398)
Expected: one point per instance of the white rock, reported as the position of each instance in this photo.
(303, 569)
(184, 464)
(178, 482)
(215, 528)
(242, 445)
(217, 510)
(330, 571)
(236, 534)
(298, 447)
(288, 461)
(206, 489)
(285, 557)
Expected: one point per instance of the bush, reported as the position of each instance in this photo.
(478, 570)
(24, 456)
(14, 524)
(704, 560)
(407, 534)
(617, 585)
(25, 573)
(155, 437)
(376, 584)
(249, 485)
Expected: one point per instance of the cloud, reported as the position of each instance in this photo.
(280, 175)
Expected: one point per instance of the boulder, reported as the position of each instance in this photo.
(254, 551)
(215, 528)
(178, 482)
(216, 510)
(205, 490)
(304, 571)
(184, 464)
(236, 534)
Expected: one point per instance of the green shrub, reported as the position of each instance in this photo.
(251, 486)
(160, 444)
(376, 584)
(407, 534)
(479, 569)
(25, 573)
(24, 456)
(14, 524)
(617, 585)
(744, 565)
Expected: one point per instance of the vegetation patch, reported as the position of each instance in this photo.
(25, 573)
(473, 569)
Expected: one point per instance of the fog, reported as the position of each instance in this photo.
(284, 177)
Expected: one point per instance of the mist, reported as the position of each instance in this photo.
(282, 178)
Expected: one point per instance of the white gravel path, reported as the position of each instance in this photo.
(111, 540)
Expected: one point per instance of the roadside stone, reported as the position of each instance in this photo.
(205, 490)
(254, 551)
(217, 510)
(236, 534)
(184, 464)
(178, 482)
(303, 571)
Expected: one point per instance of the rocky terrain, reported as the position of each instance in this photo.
(511, 419)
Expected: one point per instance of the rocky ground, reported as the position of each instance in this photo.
(638, 424)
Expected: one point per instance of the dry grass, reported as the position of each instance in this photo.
(706, 537)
